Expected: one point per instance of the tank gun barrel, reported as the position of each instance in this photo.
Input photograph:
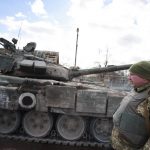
(78, 73)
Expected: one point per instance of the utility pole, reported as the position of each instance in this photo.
(76, 47)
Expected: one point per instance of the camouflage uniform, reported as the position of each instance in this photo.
(147, 145)
(118, 143)
(121, 144)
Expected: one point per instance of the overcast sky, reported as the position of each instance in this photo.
(119, 27)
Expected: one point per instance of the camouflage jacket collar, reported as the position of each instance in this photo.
(143, 88)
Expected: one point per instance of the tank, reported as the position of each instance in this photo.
(40, 102)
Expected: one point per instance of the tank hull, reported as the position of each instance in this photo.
(71, 110)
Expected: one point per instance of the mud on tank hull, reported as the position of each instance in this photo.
(54, 110)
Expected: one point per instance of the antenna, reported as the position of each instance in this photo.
(19, 33)
(106, 61)
(76, 47)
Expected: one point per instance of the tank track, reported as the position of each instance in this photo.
(54, 139)
(87, 139)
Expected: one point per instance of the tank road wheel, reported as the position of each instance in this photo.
(70, 127)
(101, 129)
(37, 124)
(9, 121)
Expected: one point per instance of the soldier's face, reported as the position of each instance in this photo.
(137, 81)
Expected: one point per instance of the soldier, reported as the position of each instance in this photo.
(131, 120)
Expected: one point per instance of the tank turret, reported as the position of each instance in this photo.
(25, 64)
